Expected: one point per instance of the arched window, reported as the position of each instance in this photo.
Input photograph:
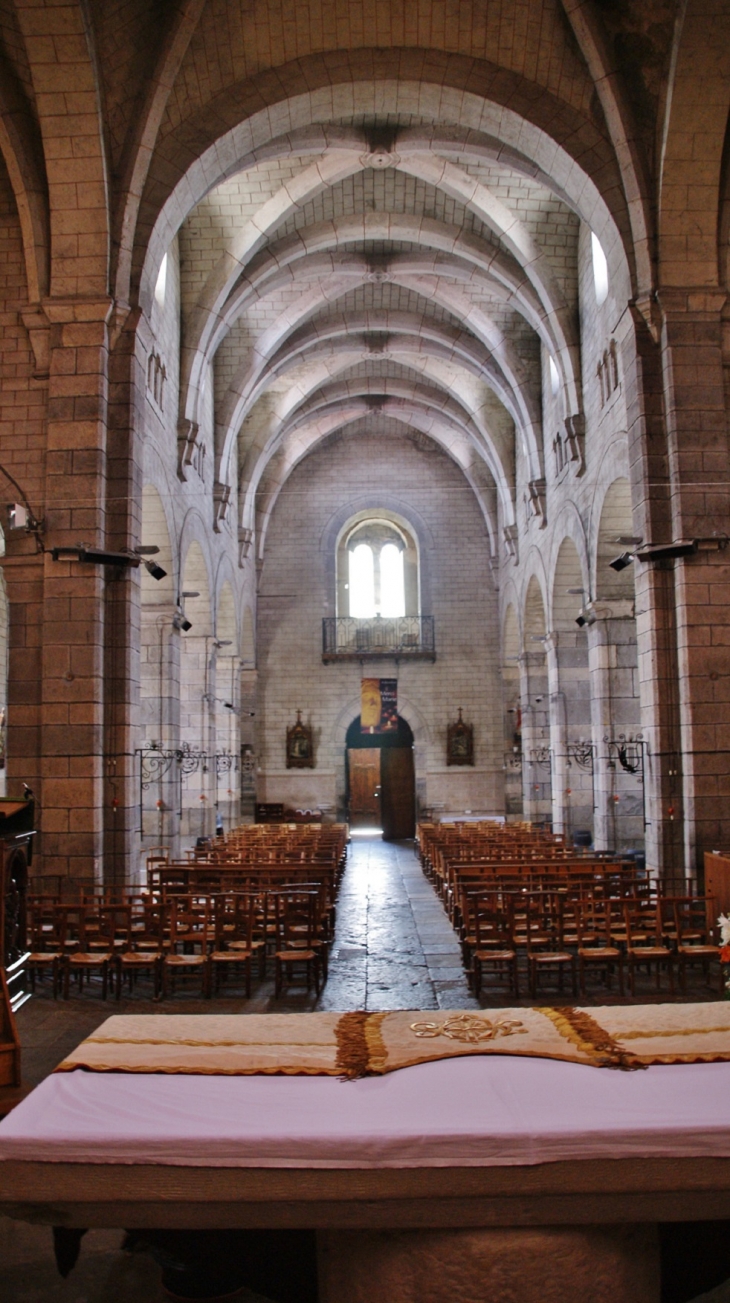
(377, 570)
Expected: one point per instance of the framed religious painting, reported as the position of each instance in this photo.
(460, 743)
(299, 748)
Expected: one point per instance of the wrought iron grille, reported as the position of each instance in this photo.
(346, 638)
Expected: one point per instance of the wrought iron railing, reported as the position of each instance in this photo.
(405, 635)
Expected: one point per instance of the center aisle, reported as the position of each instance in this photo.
(394, 947)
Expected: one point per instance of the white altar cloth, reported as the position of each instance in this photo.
(464, 1112)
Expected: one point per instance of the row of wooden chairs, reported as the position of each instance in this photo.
(556, 935)
(213, 937)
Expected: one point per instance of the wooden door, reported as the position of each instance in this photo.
(364, 769)
(398, 800)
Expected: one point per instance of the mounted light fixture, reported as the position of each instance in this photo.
(179, 619)
(584, 618)
(95, 556)
(622, 561)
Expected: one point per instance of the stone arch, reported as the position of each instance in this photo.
(568, 574)
(615, 521)
(534, 617)
(155, 532)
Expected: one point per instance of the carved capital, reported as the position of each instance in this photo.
(190, 449)
(245, 540)
(39, 331)
(221, 502)
(511, 543)
(575, 441)
(535, 499)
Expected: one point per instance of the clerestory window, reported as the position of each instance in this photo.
(377, 571)
(376, 581)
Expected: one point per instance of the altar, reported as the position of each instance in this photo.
(458, 1178)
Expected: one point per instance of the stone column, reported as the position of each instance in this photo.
(654, 592)
(615, 713)
(160, 725)
(537, 801)
(227, 739)
(197, 729)
(570, 732)
(72, 657)
(697, 430)
(125, 424)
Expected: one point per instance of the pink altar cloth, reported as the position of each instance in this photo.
(465, 1112)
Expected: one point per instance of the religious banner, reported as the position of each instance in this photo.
(379, 705)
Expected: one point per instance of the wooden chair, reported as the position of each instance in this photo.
(546, 948)
(233, 941)
(144, 952)
(596, 945)
(296, 937)
(191, 932)
(79, 957)
(693, 932)
(494, 945)
(645, 943)
(45, 947)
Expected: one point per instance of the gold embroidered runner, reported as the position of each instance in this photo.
(353, 1045)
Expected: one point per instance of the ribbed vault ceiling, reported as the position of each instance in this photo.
(402, 277)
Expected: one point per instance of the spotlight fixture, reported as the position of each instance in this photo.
(584, 618)
(94, 556)
(623, 560)
(153, 569)
(180, 622)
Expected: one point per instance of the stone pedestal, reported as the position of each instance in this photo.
(583, 1264)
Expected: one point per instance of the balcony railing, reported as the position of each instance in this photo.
(410, 636)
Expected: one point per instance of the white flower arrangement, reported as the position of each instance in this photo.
(723, 924)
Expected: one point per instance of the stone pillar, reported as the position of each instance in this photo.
(160, 724)
(699, 457)
(654, 591)
(248, 733)
(197, 729)
(227, 739)
(583, 1264)
(127, 368)
(615, 713)
(72, 658)
(537, 803)
(570, 732)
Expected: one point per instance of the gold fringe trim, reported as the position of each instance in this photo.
(377, 1053)
(577, 1026)
(353, 1051)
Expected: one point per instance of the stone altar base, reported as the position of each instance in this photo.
(552, 1264)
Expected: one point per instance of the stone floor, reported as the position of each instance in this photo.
(394, 949)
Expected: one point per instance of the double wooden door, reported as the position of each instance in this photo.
(382, 790)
